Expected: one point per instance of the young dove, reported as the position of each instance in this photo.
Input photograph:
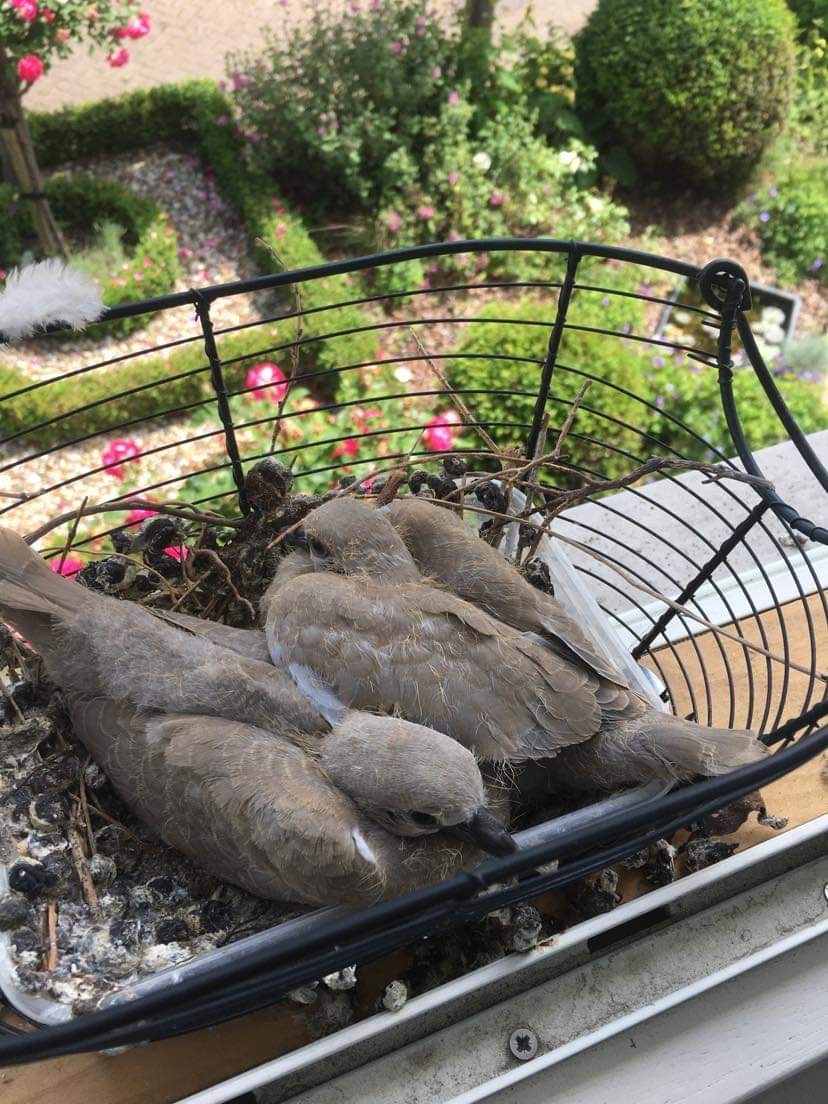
(447, 550)
(109, 654)
(349, 818)
(367, 630)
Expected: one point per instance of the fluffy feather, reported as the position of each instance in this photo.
(42, 294)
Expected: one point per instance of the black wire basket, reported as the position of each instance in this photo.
(738, 548)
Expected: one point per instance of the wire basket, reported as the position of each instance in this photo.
(726, 552)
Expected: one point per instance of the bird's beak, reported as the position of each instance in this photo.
(487, 833)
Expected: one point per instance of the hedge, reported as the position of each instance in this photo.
(188, 113)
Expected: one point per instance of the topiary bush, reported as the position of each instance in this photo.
(608, 415)
(695, 90)
(791, 216)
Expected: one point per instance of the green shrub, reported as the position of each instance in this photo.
(808, 124)
(616, 367)
(808, 11)
(695, 90)
(791, 217)
(690, 392)
(332, 98)
(168, 379)
(505, 182)
(81, 203)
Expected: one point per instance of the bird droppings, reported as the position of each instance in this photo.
(660, 865)
(395, 996)
(342, 980)
(599, 894)
(701, 853)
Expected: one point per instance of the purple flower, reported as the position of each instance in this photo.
(658, 362)
(660, 401)
(815, 265)
(437, 72)
(223, 120)
(764, 216)
(773, 190)
(396, 47)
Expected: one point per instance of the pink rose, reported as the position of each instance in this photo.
(393, 221)
(453, 177)
(425, 211)
(26, 9)
(136, 516)
(118, 58)
(350, 447)
(47, 15)
(63, 35)
(439, 434)
(121, 448)
(436, 72)
(70, 566)
(30, 68)
(496, 199)
(266, 381)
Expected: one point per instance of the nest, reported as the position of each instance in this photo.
(96, 903)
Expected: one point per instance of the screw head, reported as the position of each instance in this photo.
(523, 1043)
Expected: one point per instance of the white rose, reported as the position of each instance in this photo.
(482, 161)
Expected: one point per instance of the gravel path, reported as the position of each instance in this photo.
(212, 250)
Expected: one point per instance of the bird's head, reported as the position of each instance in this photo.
(411, 780)
(352, 538)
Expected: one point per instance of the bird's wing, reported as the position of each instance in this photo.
(249, 643)
(438, 660)
(251, 807)
(447, 550)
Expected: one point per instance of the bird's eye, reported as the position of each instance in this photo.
(425, 820)
(317, 547)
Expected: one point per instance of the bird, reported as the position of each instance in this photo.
(447, 550)
(133, 680)
(350, 818)
(368, 630)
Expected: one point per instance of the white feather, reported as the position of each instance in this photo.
(318, 693)
(45, 293)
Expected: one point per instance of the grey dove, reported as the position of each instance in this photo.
(447, 550)
(111, 655)
(347, 819)
(366, 629)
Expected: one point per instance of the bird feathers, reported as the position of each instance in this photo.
(45, 293)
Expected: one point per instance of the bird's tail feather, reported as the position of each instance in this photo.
(31, 595)
(691, 749)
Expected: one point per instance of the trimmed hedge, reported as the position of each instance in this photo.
(81, 200)
(695, 90)
(157, 373)
(187, 112)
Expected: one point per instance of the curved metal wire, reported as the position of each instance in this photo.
(676, 538)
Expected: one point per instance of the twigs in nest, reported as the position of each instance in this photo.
(183, 512)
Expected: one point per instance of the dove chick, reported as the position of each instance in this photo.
(349, 818)
(223, 757)
(361, 629)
